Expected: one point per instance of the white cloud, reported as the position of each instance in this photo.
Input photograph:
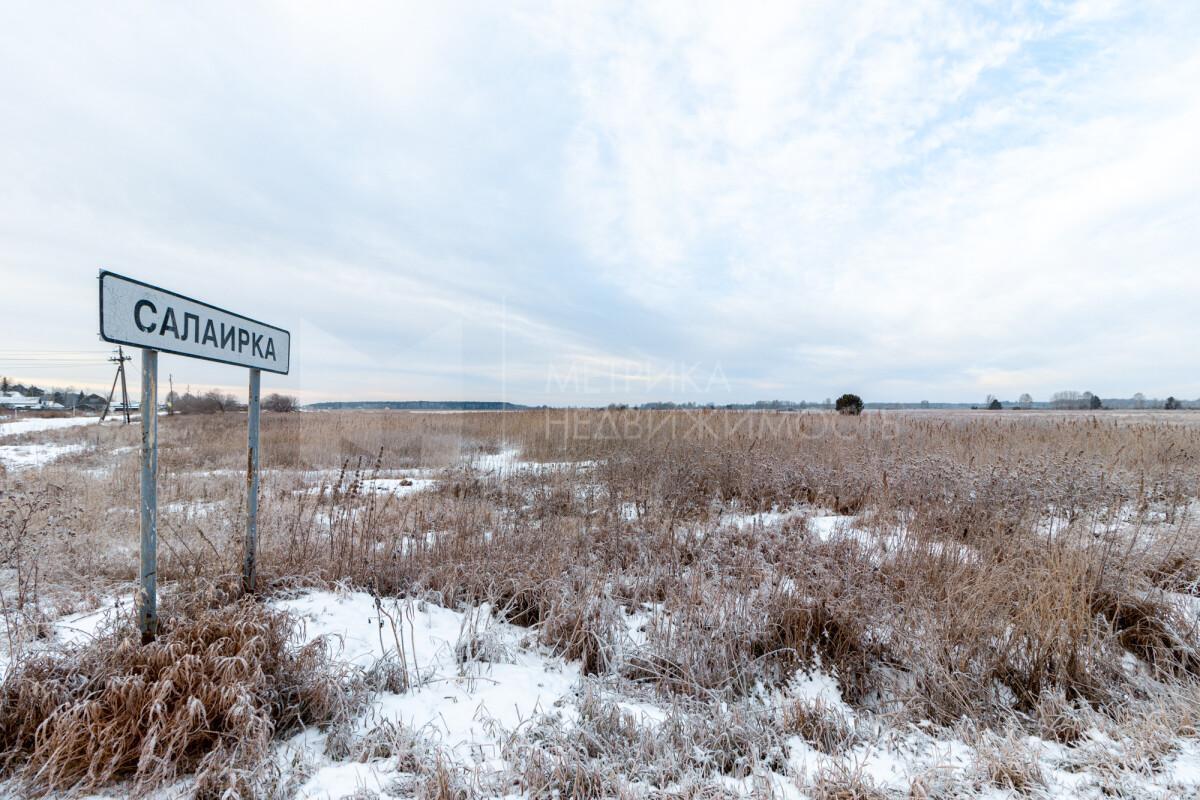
(961, 190)
(908, 199)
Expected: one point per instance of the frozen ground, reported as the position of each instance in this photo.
(26, 456)
(35, 424)
(461, 706)
(470, 686)
(508, 461)
(476, 685)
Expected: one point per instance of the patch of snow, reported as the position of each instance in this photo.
(644, 713)
(398, 487)
(344, 779)
(1184, 768)
(504, 461)
(762, 519)
(29, 456)
(637, 622)
(84, 626)
(77, 628)
(824, 526)
(507, 461)
(463, 709)
(36, 424)
(818, 686)
(193, 508)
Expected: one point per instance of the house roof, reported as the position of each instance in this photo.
(15, 400)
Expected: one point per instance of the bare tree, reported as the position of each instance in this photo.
(216, 400)
(282, 403)
(1068, 399)
(211, 402)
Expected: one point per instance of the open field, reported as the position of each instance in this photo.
(611, 604)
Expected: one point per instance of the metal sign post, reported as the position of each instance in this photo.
(156, 320)
(147, 606)
(251, 548)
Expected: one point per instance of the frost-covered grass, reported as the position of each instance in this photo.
(703, 606)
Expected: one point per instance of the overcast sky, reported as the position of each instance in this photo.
(583, 203)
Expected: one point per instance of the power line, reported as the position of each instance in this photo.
(35, 354)
(49, 350)
(51, 367)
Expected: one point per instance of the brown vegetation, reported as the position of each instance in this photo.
(999, 571)
(207, 698)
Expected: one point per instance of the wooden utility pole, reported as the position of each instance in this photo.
(119, 359)
(124, 388)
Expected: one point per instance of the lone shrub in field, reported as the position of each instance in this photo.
(850, 404)
(282, 403)
(207, 697)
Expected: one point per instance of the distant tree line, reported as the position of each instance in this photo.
(758, 405)
(1064, 400)
(1076, 400)
(215, 401)
(1087, 401)
(418, 405)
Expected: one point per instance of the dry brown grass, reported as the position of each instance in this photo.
(1001, 570)
(1008, 764)
(207, 698)
(843, 783)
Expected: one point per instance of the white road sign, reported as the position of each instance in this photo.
(141, 315)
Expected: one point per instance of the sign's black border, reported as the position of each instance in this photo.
(100, 284)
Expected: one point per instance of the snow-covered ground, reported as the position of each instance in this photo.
(465, 711)
(35, 424)
(508, 461)
(473, 683)
(394, 486)
(27, 456)
(461, 708)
